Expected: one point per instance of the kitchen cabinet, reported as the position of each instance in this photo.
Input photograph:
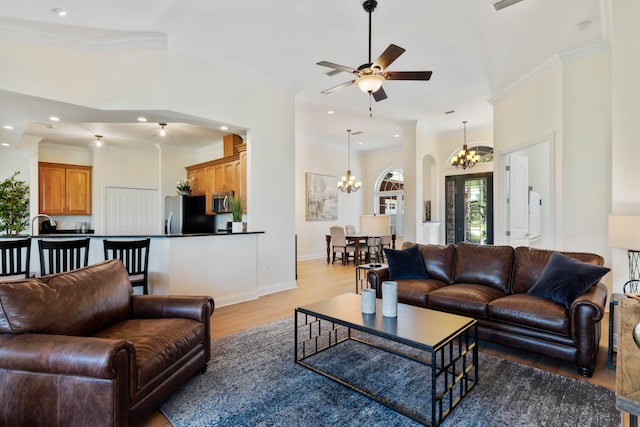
(221, 175)
(64, 189)
(198, 177)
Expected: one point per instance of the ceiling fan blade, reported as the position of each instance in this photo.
(379, 95)
(390, 54)
(340, 86)
(338, 67)
(407, 75)
(333, 72)
(358, 132)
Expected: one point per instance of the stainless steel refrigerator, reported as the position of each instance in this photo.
(186, 215)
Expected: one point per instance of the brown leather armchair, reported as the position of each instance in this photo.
(77, 348)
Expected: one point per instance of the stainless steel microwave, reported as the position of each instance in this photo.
(220, 202)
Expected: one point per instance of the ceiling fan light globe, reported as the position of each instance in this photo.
(370, 83)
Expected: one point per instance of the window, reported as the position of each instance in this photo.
(389, 198)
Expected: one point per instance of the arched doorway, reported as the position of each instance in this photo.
(388, 198)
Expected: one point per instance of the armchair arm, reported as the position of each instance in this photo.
(64, 355)
(593, 299)
(163, 306)
(375, 277)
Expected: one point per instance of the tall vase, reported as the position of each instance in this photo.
(390, 299)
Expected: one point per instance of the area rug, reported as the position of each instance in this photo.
(252, 380)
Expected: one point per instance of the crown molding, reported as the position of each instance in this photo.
(86, 39)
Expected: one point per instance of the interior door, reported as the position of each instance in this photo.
(518, 200)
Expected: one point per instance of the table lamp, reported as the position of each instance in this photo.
(624, 233)
(375, 226)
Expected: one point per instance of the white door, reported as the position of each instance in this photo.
(518, 200)
(132, 211)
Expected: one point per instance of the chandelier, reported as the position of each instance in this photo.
(348, 183)
(465, 157)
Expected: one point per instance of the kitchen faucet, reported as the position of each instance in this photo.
(53, 223)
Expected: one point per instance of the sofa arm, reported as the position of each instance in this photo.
(64, 355)
(585, 315)
(375, 277)
(164, 306)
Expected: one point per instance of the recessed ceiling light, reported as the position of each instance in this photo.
(5, 144)
(59, 11)
(330, 112)
(142, 119)
(360, 143)
(7, 127)
(397, 135)
(54, 119)
(224, 128)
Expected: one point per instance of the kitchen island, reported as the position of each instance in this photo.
(222, 265)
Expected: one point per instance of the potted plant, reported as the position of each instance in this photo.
(184, 187)
(14, 205)
(235, 203)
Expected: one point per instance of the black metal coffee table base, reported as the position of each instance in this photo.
(453, 363)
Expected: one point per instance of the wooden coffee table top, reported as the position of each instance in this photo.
(414, 325)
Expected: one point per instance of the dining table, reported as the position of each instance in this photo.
(356, 239)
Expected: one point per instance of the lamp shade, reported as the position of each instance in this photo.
(624, 231)
(375, 225)
(370, 83)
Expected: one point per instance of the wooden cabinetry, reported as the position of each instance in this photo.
(221, 175)
(64, 189)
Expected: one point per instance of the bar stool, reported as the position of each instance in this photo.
(58, 256)
(15, 256)
(134, 254)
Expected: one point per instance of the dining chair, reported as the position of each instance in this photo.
(15, 256)
(339, 244)
(134, 254)
(57, 256)
(385, 242)
(350, 229)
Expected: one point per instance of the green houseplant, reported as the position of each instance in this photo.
(235, 203)
(14, 205)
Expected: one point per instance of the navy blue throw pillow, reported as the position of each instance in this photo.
(406, 264)
(564, 279)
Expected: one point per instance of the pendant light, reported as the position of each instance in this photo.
(465, 158)
(348, 183)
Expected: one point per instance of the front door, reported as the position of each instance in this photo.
(469, 213)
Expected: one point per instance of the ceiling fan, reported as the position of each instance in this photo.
(371, 75)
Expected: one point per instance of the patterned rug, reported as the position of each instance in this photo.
(252, 380)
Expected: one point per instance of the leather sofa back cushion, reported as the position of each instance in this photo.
(529, 264)
(79, 302)
(483, 265)
(438, 260)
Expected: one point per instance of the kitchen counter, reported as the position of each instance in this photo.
(137, 236)
(208, 264)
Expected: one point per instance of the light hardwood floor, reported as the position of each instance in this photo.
(318, 280)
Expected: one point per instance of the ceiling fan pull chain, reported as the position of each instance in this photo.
(370, 113)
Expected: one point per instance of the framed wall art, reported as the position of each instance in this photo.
(322, 197)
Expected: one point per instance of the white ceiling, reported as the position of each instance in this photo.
(475, 53)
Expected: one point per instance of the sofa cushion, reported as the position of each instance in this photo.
(464, 298)
(158, 343)
(405, 264)
(529, 263)
(78, 302)
(531, 311)
(415, 291)
(438, 260)
(565, 278)
(483, 264)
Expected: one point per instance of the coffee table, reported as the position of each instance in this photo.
(447, 344)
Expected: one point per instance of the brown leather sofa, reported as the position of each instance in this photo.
(490, 284)
(78, 349)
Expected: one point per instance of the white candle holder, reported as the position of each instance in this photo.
(390, 299)
(368, 301)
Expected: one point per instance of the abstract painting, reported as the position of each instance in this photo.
(322, 197)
